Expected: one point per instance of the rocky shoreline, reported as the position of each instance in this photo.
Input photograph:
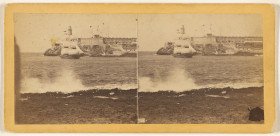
(113, 106)
(92, 51)
(202, 106)
(221, 50)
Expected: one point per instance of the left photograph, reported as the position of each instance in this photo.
(75, 68)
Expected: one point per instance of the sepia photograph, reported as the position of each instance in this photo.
(200, 69)
(193, 69)
(139, 68)
(75, 68)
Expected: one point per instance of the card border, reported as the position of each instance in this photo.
(267, 12)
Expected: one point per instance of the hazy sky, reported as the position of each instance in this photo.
(34, 31)
(155, 30)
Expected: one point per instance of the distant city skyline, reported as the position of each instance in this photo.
(33, 32)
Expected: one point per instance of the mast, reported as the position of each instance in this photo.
(92, 30)
(211, 28)
(97, 30)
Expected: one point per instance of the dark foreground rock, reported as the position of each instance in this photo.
(84, 107)
(256, 114)
(202, 106)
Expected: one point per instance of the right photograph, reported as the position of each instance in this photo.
(200, 69)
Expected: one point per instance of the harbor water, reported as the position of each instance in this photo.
(39, 74)
(161, 72)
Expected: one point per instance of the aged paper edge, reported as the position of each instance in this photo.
(265, 10)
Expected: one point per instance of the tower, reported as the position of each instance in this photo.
(69, 31)
(181, 30)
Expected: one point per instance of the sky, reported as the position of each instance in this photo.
(155, 29)
(34, 31)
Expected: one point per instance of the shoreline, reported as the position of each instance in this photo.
(203, 106)
(115, 106)
(84, 107)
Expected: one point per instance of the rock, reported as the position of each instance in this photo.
(53, 51)
(129, 47)
(209, 49)
(256, 114)
(224, 92)
(166, 50)
(93, 51)
(99, 50)
(109, 50)
(96, 51)
(141, 120)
